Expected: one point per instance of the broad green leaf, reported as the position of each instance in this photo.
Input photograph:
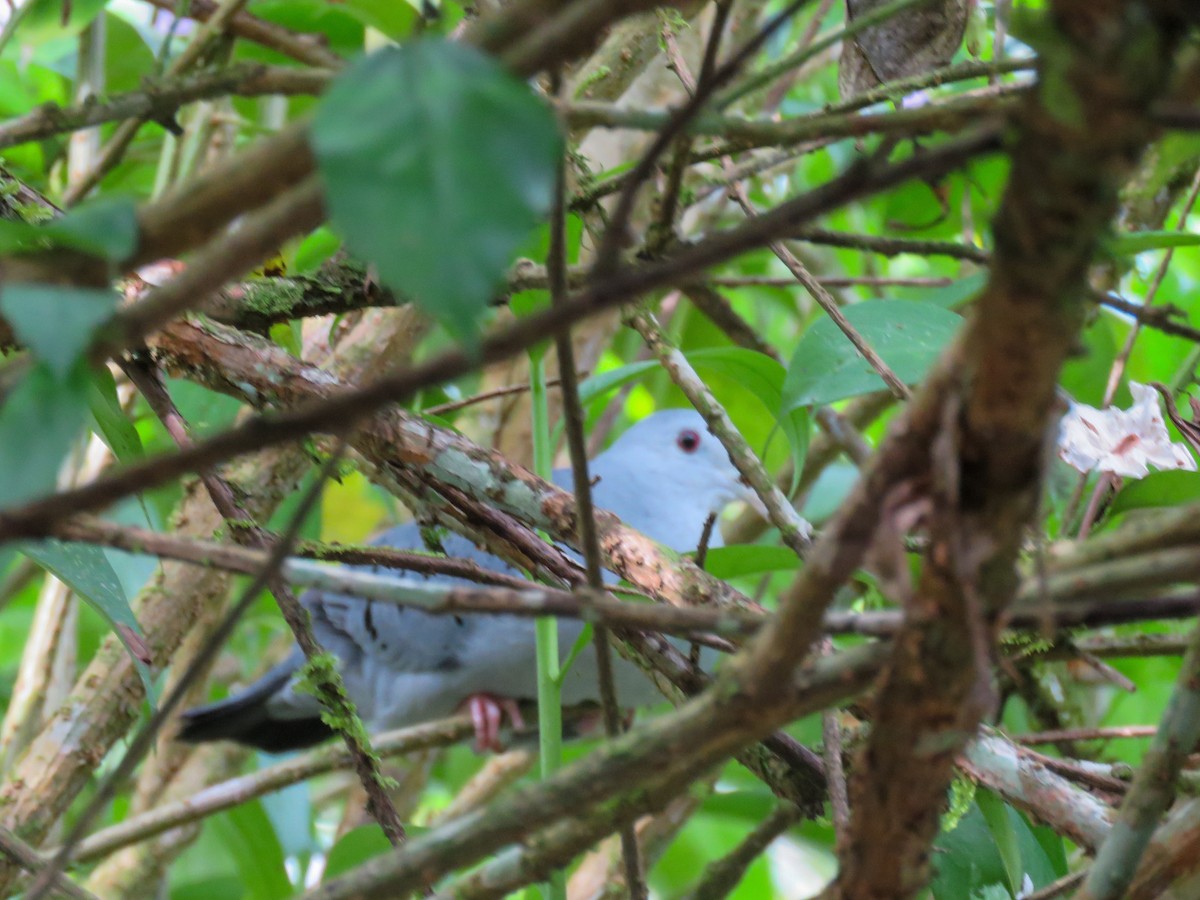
(56, 322)
(130, 52)
(106, 228)
(907, 335)
(86, 570)
(206, 411)
(1141, 241)
(749, 559)
(437, 165)
(247, 835)
(39, 422)
(763, 377)
(757, 372)
(1157, 489)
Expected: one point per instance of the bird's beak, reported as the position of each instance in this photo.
(746, 493)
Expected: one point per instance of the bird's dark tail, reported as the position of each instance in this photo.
(246, 718)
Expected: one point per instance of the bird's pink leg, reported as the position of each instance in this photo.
(487, 715)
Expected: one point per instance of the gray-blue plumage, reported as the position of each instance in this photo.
(401, 666)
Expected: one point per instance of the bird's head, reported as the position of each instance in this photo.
(666, 475)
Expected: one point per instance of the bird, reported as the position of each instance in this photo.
(664, 476)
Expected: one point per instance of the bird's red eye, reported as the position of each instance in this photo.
(688, 441)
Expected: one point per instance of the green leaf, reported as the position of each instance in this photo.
(967, 859)
(248, 837)
(757, 372)
(955, 295)
(581, 642)
(602, 382)
(86, 570)
(396, 20)
(39, 422)
(314, 250)
(133, 569)
(354, 848)
(1157, 489)
(437, 165)
(995, 813)
(44, 20)
(764, 378)
(56, 322)
(106, 228)
(907, 335)
(749, 559)
(113, 422)
(526, 303)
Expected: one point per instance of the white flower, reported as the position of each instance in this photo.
(1123, 442)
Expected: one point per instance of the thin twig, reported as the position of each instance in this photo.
(573, 418)
(484, 396)
(244, 788)
(163, 99)
(303, 48)
(31, 861)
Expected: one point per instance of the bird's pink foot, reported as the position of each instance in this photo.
(487, 715)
